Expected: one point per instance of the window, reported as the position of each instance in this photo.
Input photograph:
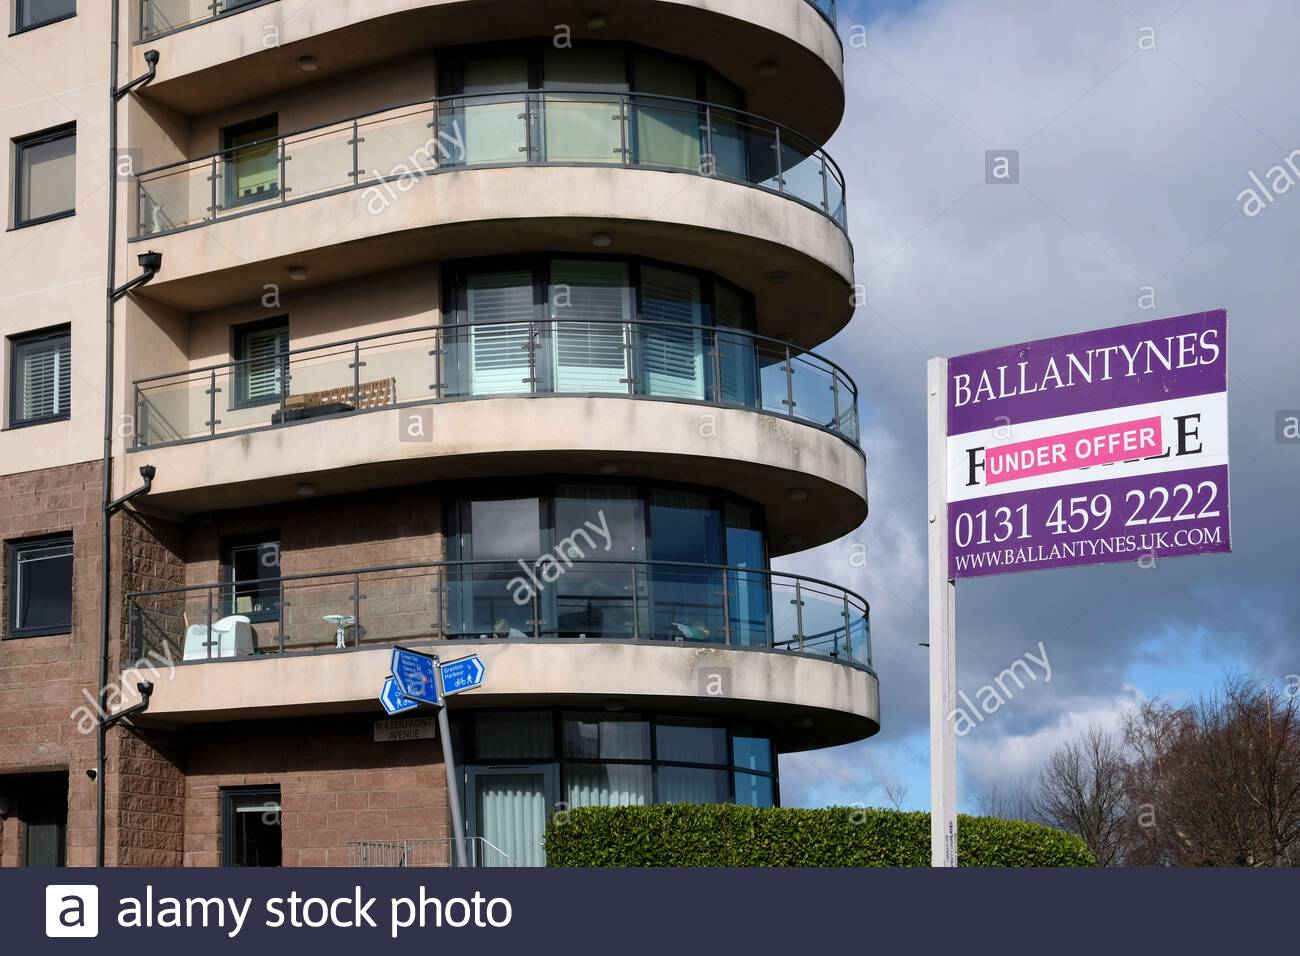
(252, 152)
(40, 375)
(252, 566)
(30, 14)
(40, 586)
(261, 351)
(250, 826)
(45, 180)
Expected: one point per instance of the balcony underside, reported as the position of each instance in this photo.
(797, 262)
(223, 62)
(809, 703)
(752, 454)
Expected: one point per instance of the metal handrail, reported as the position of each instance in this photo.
(854, 610)
(782, 137)
(712, 339)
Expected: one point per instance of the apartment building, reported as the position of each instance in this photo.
(482, 326)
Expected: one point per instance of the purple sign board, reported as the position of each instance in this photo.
(1096, 448)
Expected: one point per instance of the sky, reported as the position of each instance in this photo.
(1137, 125)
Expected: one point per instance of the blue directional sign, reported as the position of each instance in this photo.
(393, 701)
(464, 674)
(415, 675)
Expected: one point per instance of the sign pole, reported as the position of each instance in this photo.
(943, 625)
(453, 788)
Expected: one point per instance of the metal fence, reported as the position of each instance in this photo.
(424, 853)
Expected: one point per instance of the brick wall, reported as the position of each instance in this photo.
(42, 679)
(337, 786)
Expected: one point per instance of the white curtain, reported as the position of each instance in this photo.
(607, 785)
(512, 817)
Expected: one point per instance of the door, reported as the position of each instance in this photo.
(672, 344)
(591, 303)
(494, 114)
(508, 810)
(500, 311)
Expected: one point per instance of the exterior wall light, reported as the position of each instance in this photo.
(597, 21)
(308, 64)
(298, 273)
(608, 468)
(797, 494)
(768, 69)
(306, 490)
(602, 240)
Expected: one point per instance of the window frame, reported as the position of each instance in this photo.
(239, 380)
(466, 730)
(230, 198)
(227, 797)
(16, 381)
(231, 543)
(17, 27)
(21, 143)
(14, 548)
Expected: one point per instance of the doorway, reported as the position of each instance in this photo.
(507, 809)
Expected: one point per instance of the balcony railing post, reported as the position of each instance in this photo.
(789, 382)
(726, 606)
(284, 171)
(279, 619)
(209, 636)
(212, 403)
(798, 612)
(537, 614)
(439, 350)
(214, 177)
(356, 152)
(636, 609)
(848, 631)
(780, 168)
(356, 375)
(835, 395)
(531, 346)
(624, 113)
(710, 159)
(136, 428)
(826, 188)
(356, 612)
(717, 364)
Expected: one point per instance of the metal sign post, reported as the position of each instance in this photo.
(943, 624)
(453, 787)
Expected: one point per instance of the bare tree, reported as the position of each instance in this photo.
(1082, 790)
(1014, 802)
(895, 793)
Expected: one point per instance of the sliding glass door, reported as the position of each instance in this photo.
(671, 343)
(584, 123)
(591, 303)
(500, 310)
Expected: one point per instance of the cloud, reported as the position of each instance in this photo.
(1131, 164)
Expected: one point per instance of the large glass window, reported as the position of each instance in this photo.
(30, 14)
(252, 566)
(600, 103)
(611, 560)
(45, 180)
(40, 586)
(610, 326)
(261, 350)
(250, 826)
(625, 759)
(252, 160)
(41, 377)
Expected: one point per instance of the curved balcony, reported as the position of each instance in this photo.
(389, 149)
(555, 598)
(159, 17)
(785, 54)
(640, 359)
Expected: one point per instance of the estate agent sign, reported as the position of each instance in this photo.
(1089, 449)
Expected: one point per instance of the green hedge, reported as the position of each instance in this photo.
(725, 835)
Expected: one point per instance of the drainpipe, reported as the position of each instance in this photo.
(109, 506)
